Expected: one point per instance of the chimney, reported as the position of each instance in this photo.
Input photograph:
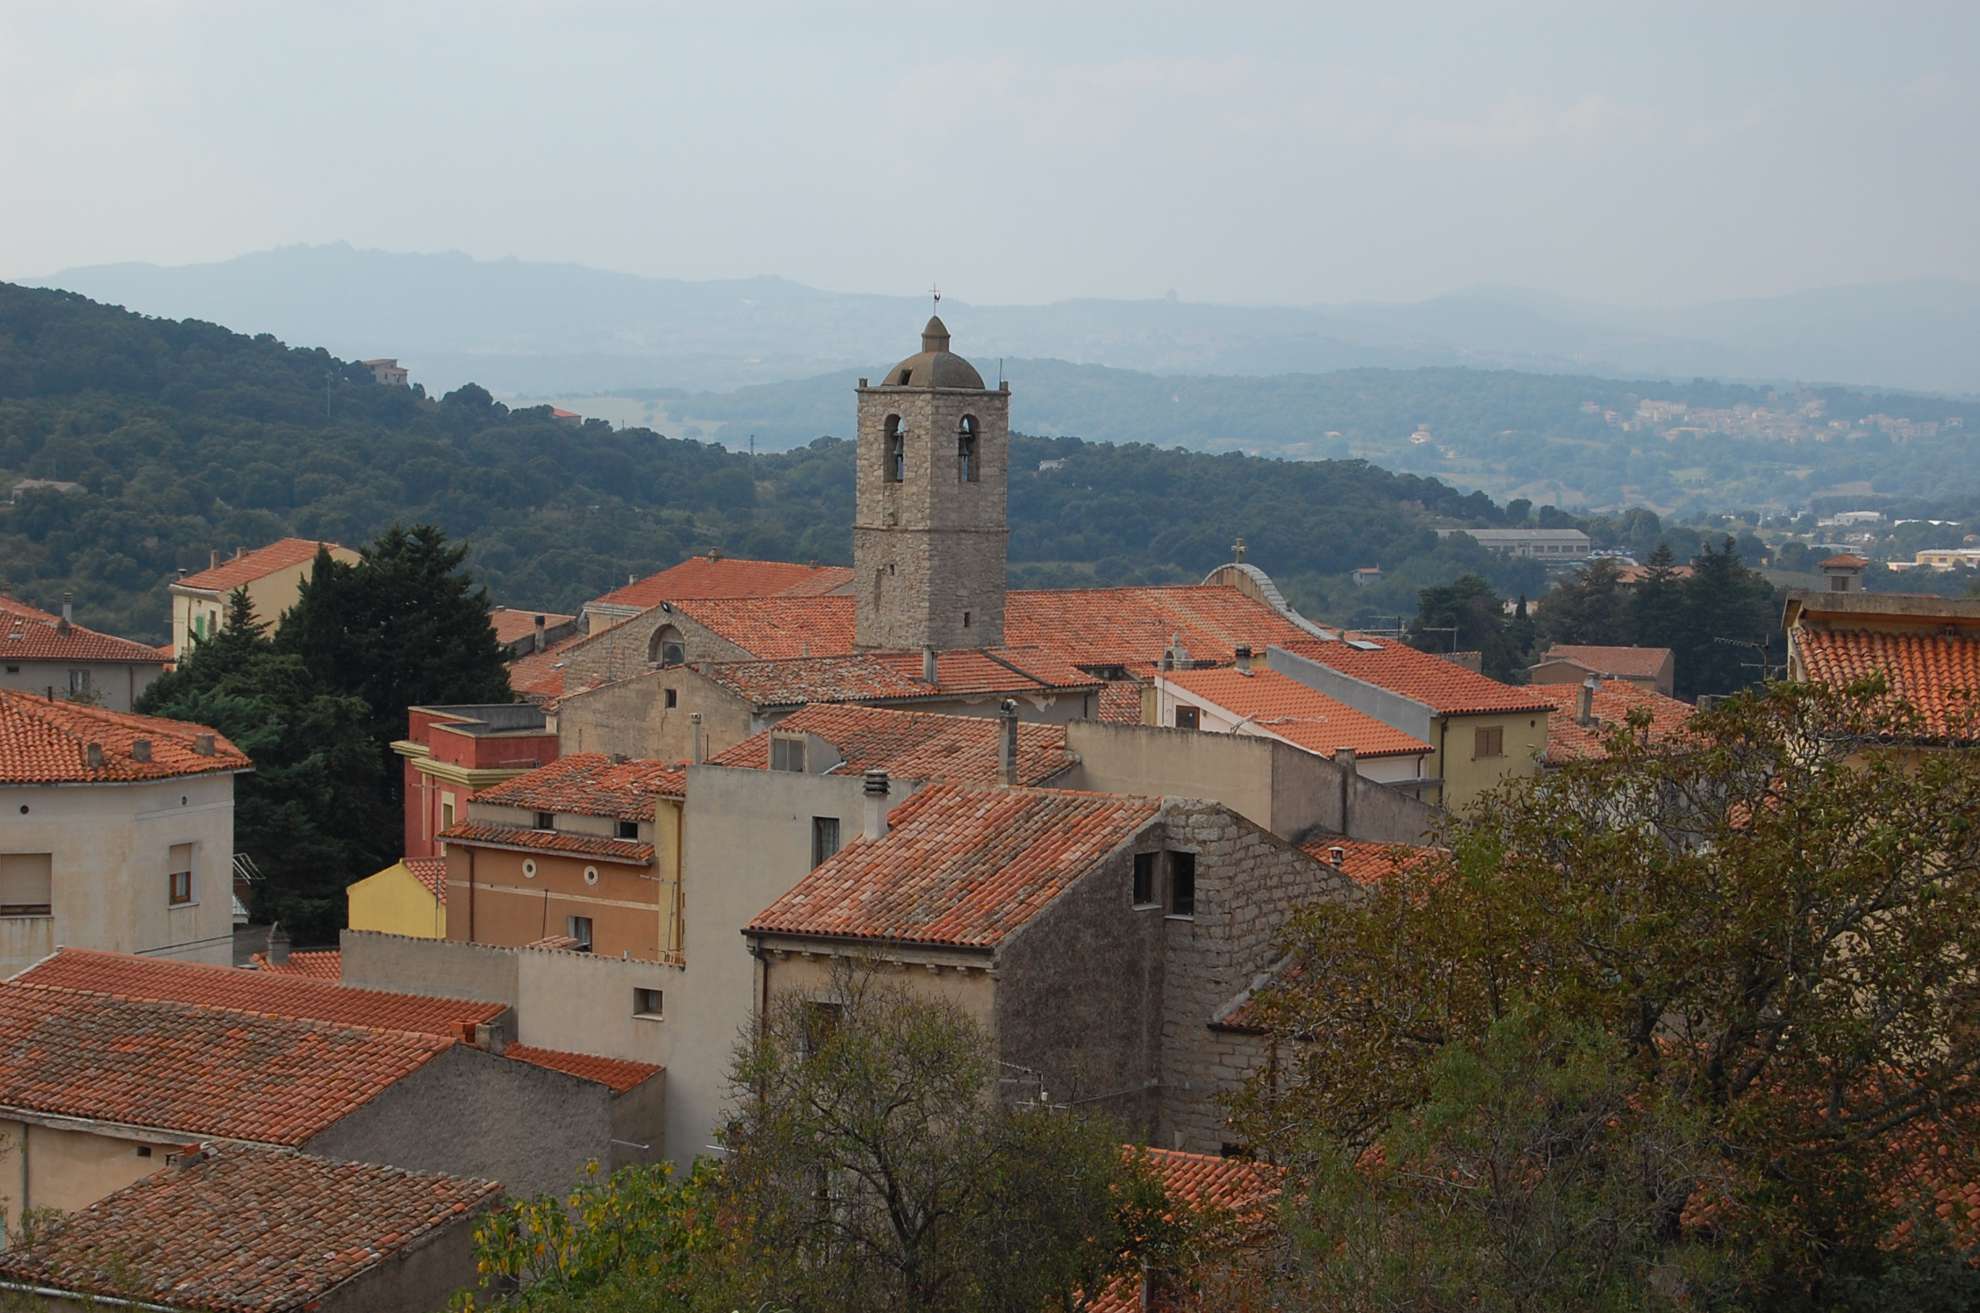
(1337, 856)
(536, 643)
(1584, 710)
(1007, 743)
(278, 945)
(68, 609)
(1344, 758)
(140, 749)
(1350, 777)
(928, 666)
(1243, 660)
(93, 755)
(489, 1038)
(203, 744)
(876, 803)
(694, 738)
(213, 558)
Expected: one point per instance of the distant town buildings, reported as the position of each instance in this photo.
(1554, 546)
(387, 371)
(272, 575)
(1567, 663)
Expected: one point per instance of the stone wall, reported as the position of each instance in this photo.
(631, 717)
(625, 649)
(929, 551)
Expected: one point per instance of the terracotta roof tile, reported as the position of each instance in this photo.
(1446, 689)
(778, 628)
(540, 675)
(29, 634)
(1286, 709)
(591, 784)
(1243, 1189)
(960, 866)
(557, 842)
(724, 576)
(314, 964)
(513, 624)
(1120, 702)
(1844, 561)
(1627, 662)
(1133, 627)
(282, 554)
(44, 742)
(195, 1070)
(913, 745)
(617, 1074)
(895, 676)
(1362, 860)
(431, 872)
(1939, 674)
(1614, 700)
(273, 993)
(234, 1229)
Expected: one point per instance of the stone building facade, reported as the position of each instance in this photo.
(929, 535)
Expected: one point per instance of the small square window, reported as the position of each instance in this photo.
(546, 821)
(1186, 718)
(787, 754)
(1489, 742)
(1144, 879)
(628, 829)
(647, 1004)
(1182, 884)
(579, 928)
(673, 697)
(181, 888)
(824, 838)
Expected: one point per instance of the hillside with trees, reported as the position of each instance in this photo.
(185, 437)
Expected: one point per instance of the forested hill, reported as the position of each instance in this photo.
(187, 437)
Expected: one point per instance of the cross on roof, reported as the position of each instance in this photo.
(1237, 550)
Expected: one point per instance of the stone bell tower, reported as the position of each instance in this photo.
(929, 535)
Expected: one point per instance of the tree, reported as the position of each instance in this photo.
(1723, 600)
(1770, 923)
(872, 1166)
(1590, 606)
(1656, 603)
(1478, 615)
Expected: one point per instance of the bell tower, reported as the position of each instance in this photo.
(929, 535)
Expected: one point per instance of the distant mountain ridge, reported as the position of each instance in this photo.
(522, 327)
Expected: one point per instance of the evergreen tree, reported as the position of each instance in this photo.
(1590, 606)
(1468, 606)
(1723, 600)
(1656, 604)
(1522, 633)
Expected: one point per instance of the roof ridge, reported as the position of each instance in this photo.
(441, 1041)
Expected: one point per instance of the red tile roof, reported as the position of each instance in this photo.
(234, 1229)
(561, 843)
(274, 993)
(283, 554)
(1614, 700)
(778, 628)
(540, 675)
(960, 866)
(617, 1074)
(1939, 674)
(913, 745)
(194, 1070)
(1133, 626)
(724, 576)
(1844, 561)
(512, 624)
(431, 872)
(1120, 702)
(896, 676)
(591, 784)
(1362, 860)
(1628, 662)
(1287, 709)
(30, 634)
(1445, 688)
(1242, 1189)
(315, 964)
(44, 742)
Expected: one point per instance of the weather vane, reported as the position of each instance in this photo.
(936, 292)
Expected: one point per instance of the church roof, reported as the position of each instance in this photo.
(935, 366)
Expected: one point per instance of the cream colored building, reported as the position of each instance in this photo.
(273, 576)
(116, 833)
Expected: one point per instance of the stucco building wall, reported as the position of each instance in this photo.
(118, 684)
(632, 718)
(67, 1167)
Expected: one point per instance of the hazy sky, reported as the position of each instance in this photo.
(1648, 152)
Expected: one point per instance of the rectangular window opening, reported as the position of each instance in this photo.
(579, 928)
(787, 754)
(1182, 884)
(1186, 718)
(1489, 742)
(179, 881)
(628, 829)
(673, 697)
(824, 838)
(647, 1003)
(1144, 879)
(545, 821)
(821, 1022)
(25, 883)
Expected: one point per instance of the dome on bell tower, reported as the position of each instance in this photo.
(934, 366)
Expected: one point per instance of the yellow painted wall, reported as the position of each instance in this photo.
(272, 594)
(1467, 775)
(394, 902)
(44, 1167)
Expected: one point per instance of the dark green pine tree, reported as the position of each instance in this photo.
(1592, 606)
(1521, 632)
(1478, 615)
(1723, 600)
(1656, 603)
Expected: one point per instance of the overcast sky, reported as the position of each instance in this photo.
(1304, 152)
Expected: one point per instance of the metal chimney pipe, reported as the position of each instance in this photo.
(875, 801)
(1584, 712)
(68, 608)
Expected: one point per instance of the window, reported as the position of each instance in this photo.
(896, 455)
(446, 811)
(666, 647)
(1838, 584)
(787, 754)
(1144, 879)
(965, 620)
(824, 838)
(628, 829)
(673, 698)
(646, 1003)
(179, 869)
(821, 1022)
(1488, 743)
(1186, 718)
(1182, 884)
(25, 879)
(545, 821)
(79, 682)
(966, 462)
(579, 928)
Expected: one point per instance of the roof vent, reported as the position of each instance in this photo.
(875, 801)
(203, 744)
(1337, 857)
(1243, 655)
(140, 749)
